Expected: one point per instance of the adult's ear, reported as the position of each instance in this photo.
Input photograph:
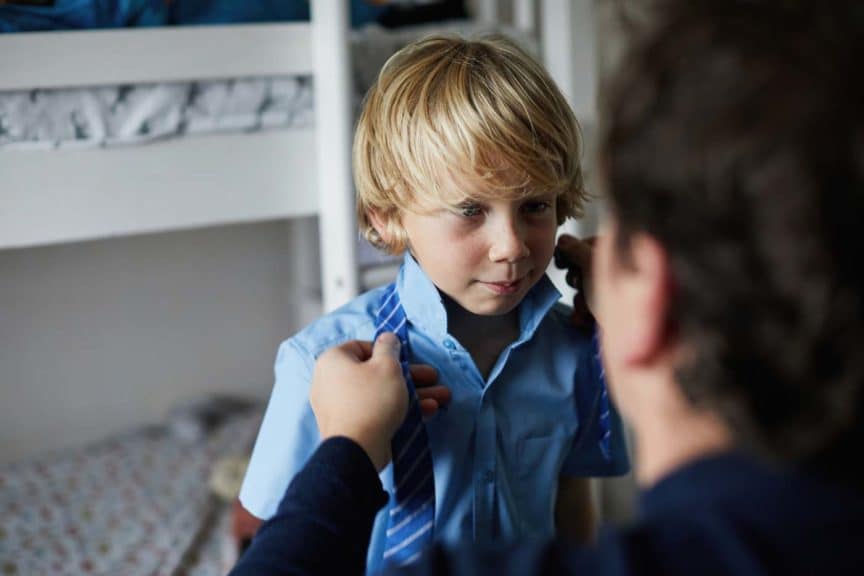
(646, 292)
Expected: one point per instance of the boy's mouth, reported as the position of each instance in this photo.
(505, 287)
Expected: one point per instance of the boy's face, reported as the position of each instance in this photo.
(485, 255)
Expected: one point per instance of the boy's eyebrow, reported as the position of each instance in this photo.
(457, 206)
(535, 195)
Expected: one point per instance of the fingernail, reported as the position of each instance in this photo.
(388, 339)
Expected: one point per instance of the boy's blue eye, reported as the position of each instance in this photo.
(537, 206)
(471, 210)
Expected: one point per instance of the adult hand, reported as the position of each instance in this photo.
(575, 255)
(430, 395)
(358, 392)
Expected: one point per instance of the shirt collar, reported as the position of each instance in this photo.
(425, 309)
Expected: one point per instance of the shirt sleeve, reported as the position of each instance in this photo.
(288, 433)
(586, 457)
(324, 522)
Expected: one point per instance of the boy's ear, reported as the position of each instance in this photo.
(379, 222)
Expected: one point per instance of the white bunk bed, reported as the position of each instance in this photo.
(49, 197)
(76, 194)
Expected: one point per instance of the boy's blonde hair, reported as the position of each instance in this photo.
(480, 113)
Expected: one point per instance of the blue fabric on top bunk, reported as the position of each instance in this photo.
(81, 14)
(89, 14)
(194, 12)
(185, 12)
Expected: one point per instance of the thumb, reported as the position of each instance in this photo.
(387, 344)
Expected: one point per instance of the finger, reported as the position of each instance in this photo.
(566, 240)
(441, 394)
(574, 278)
(570, 251)
(423, 375)
(358, 349)
(429, 407)
(387, 344)
(567, 247)
(582, 318)
(574, 248)
(562, 258)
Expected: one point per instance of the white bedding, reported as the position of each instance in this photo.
(139, 504)
(124, 115)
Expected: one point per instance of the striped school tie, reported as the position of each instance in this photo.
(603, 422)
(412, 502)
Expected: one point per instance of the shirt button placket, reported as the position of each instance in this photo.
(484, 473)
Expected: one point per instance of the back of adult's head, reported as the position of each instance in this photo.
(734, 136)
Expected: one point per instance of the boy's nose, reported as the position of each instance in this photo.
(508, 242)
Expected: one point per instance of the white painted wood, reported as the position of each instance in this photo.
(567, 35)
(524, 15)
(567, 39)
(557, 44)
(89, 58)
(487, 12)
(69, 195)
(569, 54)
(334, 122)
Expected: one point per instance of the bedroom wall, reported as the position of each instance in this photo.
(97, 337)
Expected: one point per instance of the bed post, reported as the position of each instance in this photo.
(487, 12)
(568, 52)
(567, 36)
(524, 15)
(333, 130)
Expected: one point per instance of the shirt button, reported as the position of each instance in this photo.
(449, 345)
(488, 476)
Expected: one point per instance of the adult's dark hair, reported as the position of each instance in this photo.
(734, 136)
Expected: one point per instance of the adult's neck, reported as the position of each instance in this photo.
(670, 433)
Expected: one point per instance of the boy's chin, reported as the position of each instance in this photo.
(497, 307)
(480, 302)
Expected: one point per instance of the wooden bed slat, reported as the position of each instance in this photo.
(143, 55)
(72, 195)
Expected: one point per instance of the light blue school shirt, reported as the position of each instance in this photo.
(501, 445)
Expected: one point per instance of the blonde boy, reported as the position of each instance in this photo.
(466, 159)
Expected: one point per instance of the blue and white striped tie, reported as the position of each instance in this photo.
(603, 421)
(412, 503)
